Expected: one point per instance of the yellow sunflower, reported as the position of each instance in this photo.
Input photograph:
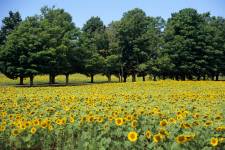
(72, 120)
(33, 130)
(15, 132)
(44, 124)
(172, 120)
(214, 141)
(163, 123)
(35, 122)
(134, 123)
(119, 121)
(132, 136)
(181, 139)
(2, 128)
(100, 119)
(157, 138)
(148, 134)
(50, 127)
(163, 132)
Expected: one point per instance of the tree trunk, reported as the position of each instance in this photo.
(109, 77)
(177, 77)
(120, 79)
(217, 77)
(125, 79)
(67, 79)
(189, 77)
(133, 77)
(21, 80)
(31, 80)
(122, 74)
(212, 77)
(164, 77)
(204, 77)
(143, 78)
(92, 78)
(154, 78)
(183, 77)
(51, 79)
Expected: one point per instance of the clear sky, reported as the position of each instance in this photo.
(109, 10)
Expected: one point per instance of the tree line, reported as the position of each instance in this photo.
(189, 45)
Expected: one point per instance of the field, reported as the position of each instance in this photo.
(142, 115)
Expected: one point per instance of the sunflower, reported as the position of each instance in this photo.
(50, 128)
(129, 117)
(106, 127)
(11, 117)
(148, 134)
(119, 121)
(157, 138)
(36, 122)
(90, 118)
(4, 114)
(163, 123)
(132, 136)
(163, 132)
(27, 124)
(195, 123)
(189, 137)
(83, 119)
(22, 126)
(134, 123)
(172, 120)
(115, 114)
(58, 121)
(15, 132)
(196, 116)
(44, 124)
(72, 120)
(2, 128)
(33, 130)
(222, 139)
(181, 139)
(218, 117)
(214, 141)
(185, 125)
(4, 123)
(63, 121)
(208, 123)
(110, 118)
(220, 128)
(100, 119)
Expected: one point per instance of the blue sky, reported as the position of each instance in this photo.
(109, 10)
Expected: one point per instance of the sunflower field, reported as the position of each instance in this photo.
(143, 115)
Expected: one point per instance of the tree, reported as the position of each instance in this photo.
(112, 66)
(94, 65)
(9, 24)
(22, 43)
(215, 42)
(154, 43)
(95, 45)
(183, 37)
(61, 37)
(132, 41)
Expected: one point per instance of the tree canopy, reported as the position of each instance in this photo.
(189, 45)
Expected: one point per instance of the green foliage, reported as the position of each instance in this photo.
(9, 24)
(62, 35)
(189, 45)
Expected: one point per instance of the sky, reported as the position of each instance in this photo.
(109, 10)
